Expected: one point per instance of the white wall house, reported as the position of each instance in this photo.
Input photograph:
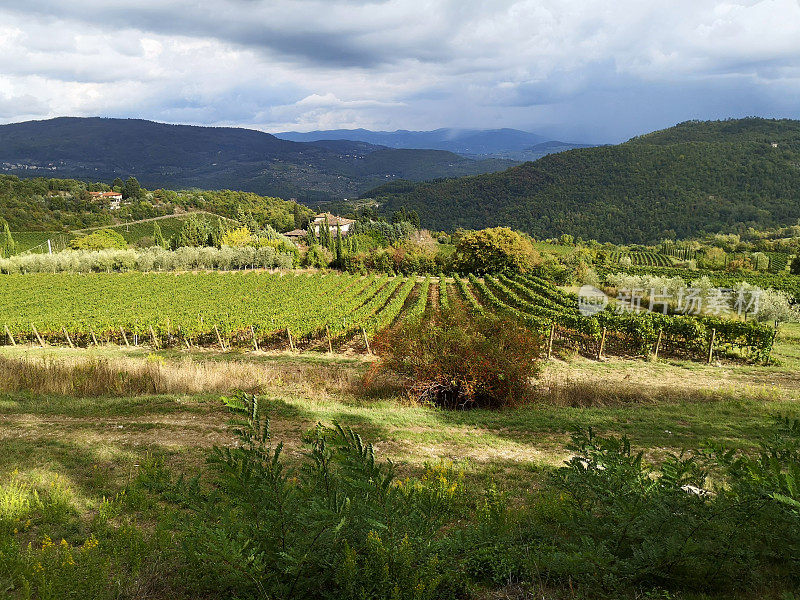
(114, 198)
(333, 221)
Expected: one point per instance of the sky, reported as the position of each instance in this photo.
(575, 70)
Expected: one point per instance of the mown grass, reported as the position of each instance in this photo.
(664, 407)
(75, 451)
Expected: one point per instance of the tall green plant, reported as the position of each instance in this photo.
(340, 526)
(7, 245)
(158, 237)
(337, 246)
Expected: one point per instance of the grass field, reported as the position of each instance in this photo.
(63, 434)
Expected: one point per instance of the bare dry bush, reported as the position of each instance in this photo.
(454, 359)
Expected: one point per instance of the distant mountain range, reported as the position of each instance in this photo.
(495, 143)
(692, 178)
(182, 156)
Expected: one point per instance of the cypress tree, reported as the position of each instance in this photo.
(325, 234)
(158, 236)
(298, 217)
(217, 234)
(338, 246)
(6, 241)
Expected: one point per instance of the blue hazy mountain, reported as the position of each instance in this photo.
(511, 144)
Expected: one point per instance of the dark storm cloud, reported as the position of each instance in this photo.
(271, 26)
(574, 69)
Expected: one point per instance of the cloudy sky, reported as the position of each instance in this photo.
(581, 70)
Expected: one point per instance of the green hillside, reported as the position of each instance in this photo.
(60, 205)
(679, 182)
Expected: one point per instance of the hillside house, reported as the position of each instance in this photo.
(333, 221)
(114, 198)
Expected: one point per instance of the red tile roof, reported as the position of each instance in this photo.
(333, 220)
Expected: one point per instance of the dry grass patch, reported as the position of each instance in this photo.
(616, 382)
(93, 376)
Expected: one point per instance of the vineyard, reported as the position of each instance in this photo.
(36, 241)
(200, 309)
(778, 261)
(136, 231)
(262, 310)
(644, 259)
(552, 312)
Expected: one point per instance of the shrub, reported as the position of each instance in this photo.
(456, 360)
(495, 250)
(317, 256)
(105, 239)
(236, 238)
(710, 520)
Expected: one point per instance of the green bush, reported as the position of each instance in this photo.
(497, 250)
(605, 525)
(105, 239)
(714, 520)
(340, 526)
(317, 256)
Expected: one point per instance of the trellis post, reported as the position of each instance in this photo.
(366, 339)
(253, 333)
(38, 337)
(328, 334)
(602, 345)
(10, 337)
(219, 337)
(124, 337)
(291, 341)
(66, 334)
(658, 343)
(711, 345)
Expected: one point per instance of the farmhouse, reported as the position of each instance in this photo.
(115, 198)
(333, 221)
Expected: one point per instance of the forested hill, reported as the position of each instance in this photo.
(182, 156)
(694, 177)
